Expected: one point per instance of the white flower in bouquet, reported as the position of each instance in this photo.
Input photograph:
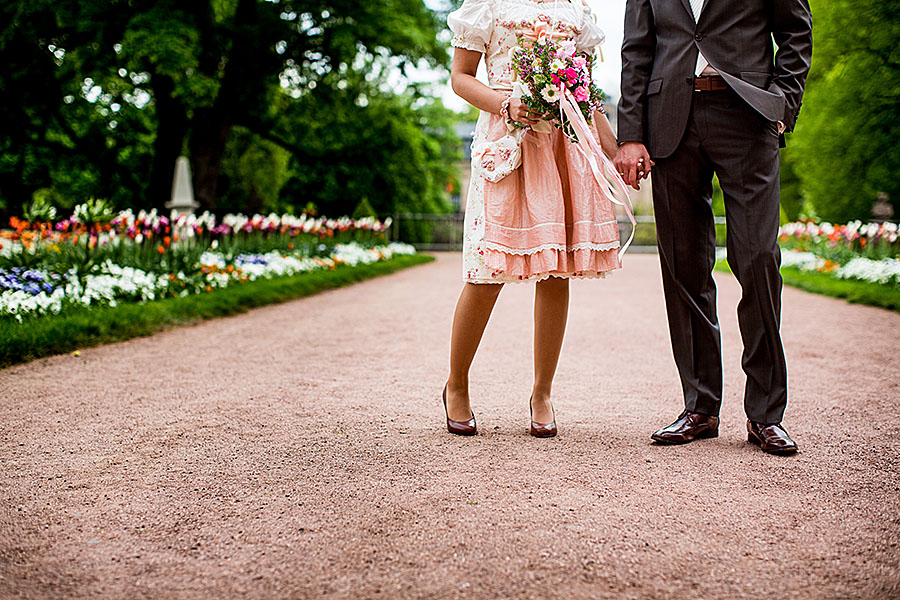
(557, 64)
(550, 94)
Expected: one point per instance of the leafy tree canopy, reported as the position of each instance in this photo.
(103, 95)
(847, 145)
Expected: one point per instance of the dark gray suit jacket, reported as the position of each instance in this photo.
(659, 57)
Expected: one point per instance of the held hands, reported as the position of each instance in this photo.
(633, 163)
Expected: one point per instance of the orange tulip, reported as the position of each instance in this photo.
(161, 249)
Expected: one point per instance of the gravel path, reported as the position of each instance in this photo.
(299, 452)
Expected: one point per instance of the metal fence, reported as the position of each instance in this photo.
(432, 232)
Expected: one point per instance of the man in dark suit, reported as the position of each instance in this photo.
(704, 91)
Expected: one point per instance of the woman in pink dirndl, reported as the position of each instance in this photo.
(546, 221)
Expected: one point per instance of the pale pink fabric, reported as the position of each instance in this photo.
(549, 216)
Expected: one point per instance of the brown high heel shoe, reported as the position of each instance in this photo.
(459, 427)
(541, 430)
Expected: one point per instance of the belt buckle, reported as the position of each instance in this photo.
(706, 83)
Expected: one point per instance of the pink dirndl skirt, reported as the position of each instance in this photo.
(547, 218)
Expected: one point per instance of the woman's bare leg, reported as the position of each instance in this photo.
(551, 309)
(473, 310)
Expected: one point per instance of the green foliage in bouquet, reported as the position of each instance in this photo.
(546, 68)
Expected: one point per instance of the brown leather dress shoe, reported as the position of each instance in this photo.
(542, 430)
(773, 439)
(459, 427)
(688, 427)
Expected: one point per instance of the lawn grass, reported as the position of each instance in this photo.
(55, 334)
(857, 292)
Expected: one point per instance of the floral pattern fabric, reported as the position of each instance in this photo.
(490, 27)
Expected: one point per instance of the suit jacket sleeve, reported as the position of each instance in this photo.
(638, 50)
(792, 30)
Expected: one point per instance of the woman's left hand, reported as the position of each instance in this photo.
(520, 113)
(611, 153)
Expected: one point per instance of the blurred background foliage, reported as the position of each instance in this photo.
(846, 148)
(286, 105)
(280, 104)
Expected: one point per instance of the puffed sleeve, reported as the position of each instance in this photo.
(472, 25)
(591, 35)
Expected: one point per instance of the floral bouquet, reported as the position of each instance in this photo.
(549, 69)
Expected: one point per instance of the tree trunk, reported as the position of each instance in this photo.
(170, 133)
(208, 138)
(14, 192)
(242, 85)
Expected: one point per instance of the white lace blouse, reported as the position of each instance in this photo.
(490, 27)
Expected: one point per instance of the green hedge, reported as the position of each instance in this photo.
(55, 334)
(857, 292)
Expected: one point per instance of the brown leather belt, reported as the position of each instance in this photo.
(710, 83)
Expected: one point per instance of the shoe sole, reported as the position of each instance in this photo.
(542, 435)
(709, 434)
(464, 434)
(776, 451)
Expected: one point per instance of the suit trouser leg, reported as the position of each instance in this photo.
(682, 200)
(743, 147)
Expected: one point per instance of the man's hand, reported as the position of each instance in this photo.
(633, 163)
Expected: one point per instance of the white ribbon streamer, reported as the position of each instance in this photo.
(611, 183)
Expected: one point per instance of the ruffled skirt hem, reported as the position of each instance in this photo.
(504, 279)
(585, 262)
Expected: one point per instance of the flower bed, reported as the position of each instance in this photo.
(34, 292)
(868, 252)
(97, 258)
(78, 328)
(885, 271)
(842, 243)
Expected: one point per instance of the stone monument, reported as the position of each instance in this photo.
(882, 210)
(182, 202)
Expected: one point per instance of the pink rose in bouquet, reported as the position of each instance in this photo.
(566, 49)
